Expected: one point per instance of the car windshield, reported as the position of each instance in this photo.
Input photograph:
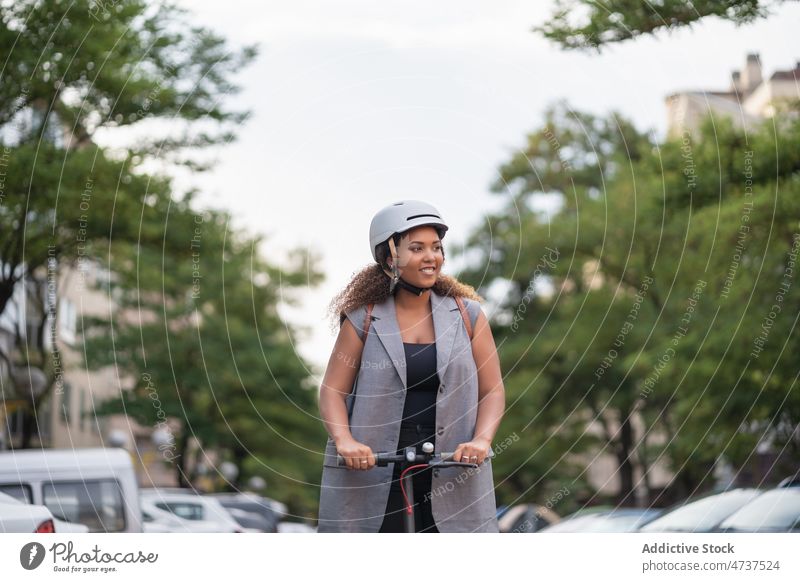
(250, 506)
(619, 522)
(703, 514)
(777, 510)
(192, 511)
(606, 522)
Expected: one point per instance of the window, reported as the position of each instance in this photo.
(44, 420)
(68, 320)
(66, 403)
(186, 510)
(17, 491)
(103, 277)
(81, 409)
(96, 504)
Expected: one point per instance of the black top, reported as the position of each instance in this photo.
(423, 382)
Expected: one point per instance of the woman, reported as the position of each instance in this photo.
(418, 377)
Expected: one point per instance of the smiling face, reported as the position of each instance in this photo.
(420, 256)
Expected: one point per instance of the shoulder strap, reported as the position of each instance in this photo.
(367, 321)
(464, 316)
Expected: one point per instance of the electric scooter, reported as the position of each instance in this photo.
(410, 459)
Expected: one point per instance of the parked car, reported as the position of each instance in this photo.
(158, 520)
(69, 527)
(777, 510)
(251, 521)
(192, 507)
(19, 517)
(703, 514)
(295, 527)
(606, 520)
(526, 518)
(95, 487)
(251, 503)
(59, 525)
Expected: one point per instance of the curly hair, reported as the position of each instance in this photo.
(371, 285)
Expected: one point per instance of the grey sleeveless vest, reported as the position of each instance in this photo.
(462, 499)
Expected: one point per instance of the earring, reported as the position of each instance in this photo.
(395, 278)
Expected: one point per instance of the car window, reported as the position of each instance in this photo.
(184, 509)
(96, 504)
(776, 510)
(8, 499)
(703, 514)
(251, 506)
(18, 491)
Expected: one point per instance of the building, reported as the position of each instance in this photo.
(749, 100)
(67, 419)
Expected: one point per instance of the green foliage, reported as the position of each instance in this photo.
(665, 260)
(589, 24)
(102, 64)
(199, 332)
(195, 335)
(73, 69)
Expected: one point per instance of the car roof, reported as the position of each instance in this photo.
(174, 496)
(50, 459)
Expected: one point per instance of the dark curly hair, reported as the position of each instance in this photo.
(371, 285)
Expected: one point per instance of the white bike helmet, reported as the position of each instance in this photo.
(400, 217)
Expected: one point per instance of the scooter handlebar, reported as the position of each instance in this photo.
(383, 458)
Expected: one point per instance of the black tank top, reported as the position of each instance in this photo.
(423, 382)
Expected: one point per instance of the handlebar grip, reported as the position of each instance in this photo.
(341, 462)
(449, 456)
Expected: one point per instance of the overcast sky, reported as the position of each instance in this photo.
(357, 104)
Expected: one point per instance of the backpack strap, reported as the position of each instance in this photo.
(367, 321)
(464, 316)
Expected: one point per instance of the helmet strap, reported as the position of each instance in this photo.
(394, 275)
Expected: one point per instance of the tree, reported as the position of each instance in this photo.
(71, 71)
(589, 24)
(646, 339)
(200, 336)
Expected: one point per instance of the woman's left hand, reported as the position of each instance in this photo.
(475, 451)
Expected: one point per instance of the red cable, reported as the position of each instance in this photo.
(409, 507)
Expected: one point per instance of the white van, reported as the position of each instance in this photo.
(96, 486)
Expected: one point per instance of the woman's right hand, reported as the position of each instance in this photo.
(358, 456)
